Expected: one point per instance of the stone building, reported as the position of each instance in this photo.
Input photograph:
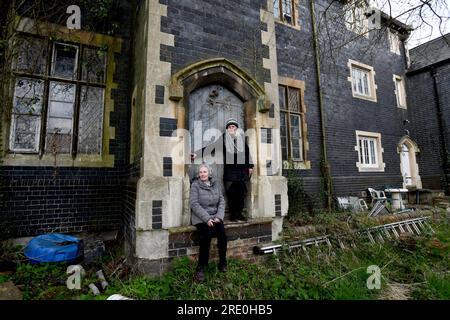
(118, 106)
(428, 93)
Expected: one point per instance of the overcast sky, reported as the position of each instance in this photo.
(430, 20)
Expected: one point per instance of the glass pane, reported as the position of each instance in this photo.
(287, 11)
(372, 152)
(25, 133)
(276, 8)
(366, 84)
(91, 120)
(93, 65)
(58, 143)
(361, 152)
(397, 89)
(354, 79)
(28, 96)
(30, 55)
(366, 152)
(283, 136)
(64, 61)
(60, 117)
(294, 99)
(282, 97)
(297, 144)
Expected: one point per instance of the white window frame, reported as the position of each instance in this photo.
(400, 91)
(361, 81)
(354, 67)
(372, 159)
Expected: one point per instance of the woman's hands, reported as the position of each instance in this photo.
(211, 222)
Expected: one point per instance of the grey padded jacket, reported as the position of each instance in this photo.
(206, 201)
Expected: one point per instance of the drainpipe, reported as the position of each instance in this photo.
(324, 165)
(442, 136)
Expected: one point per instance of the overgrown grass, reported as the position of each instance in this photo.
(419, 264)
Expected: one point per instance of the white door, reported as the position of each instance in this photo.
(406, 166)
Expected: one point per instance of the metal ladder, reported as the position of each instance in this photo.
(395, 230)
(376, 234)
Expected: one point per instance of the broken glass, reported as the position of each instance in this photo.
(64, 62)
(30, 55)
(93, 65)
(60, 117)
(28, 96)
(25, 133)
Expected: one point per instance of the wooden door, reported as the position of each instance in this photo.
(209, 108)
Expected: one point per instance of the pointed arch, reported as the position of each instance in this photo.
(221, 71)
(409, 142)
(409, 168)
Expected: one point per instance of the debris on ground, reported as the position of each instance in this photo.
(101, 276)
(8, 291)
(93, 249)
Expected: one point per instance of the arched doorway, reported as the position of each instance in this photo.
(407, 149)
(213, 91)
(209, 108)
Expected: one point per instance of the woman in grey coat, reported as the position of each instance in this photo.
(208, 209)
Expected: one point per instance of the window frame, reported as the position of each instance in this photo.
(394, 41)
(400, 91)
(280, 17)
(48, 78)
(372, 87)
(113, 47)
(362, 164)
(286, 84)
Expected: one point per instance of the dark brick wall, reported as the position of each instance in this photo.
(343, 113)
(35, 201)
(424, 128)
(206, 29)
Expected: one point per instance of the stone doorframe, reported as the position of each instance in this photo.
(413, 150)
(223, 72)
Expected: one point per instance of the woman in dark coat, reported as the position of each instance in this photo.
(208, 210)
(237, 168)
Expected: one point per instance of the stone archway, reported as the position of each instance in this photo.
(238, 88)
(407, 149)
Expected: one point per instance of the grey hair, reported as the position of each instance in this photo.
(205, 165)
